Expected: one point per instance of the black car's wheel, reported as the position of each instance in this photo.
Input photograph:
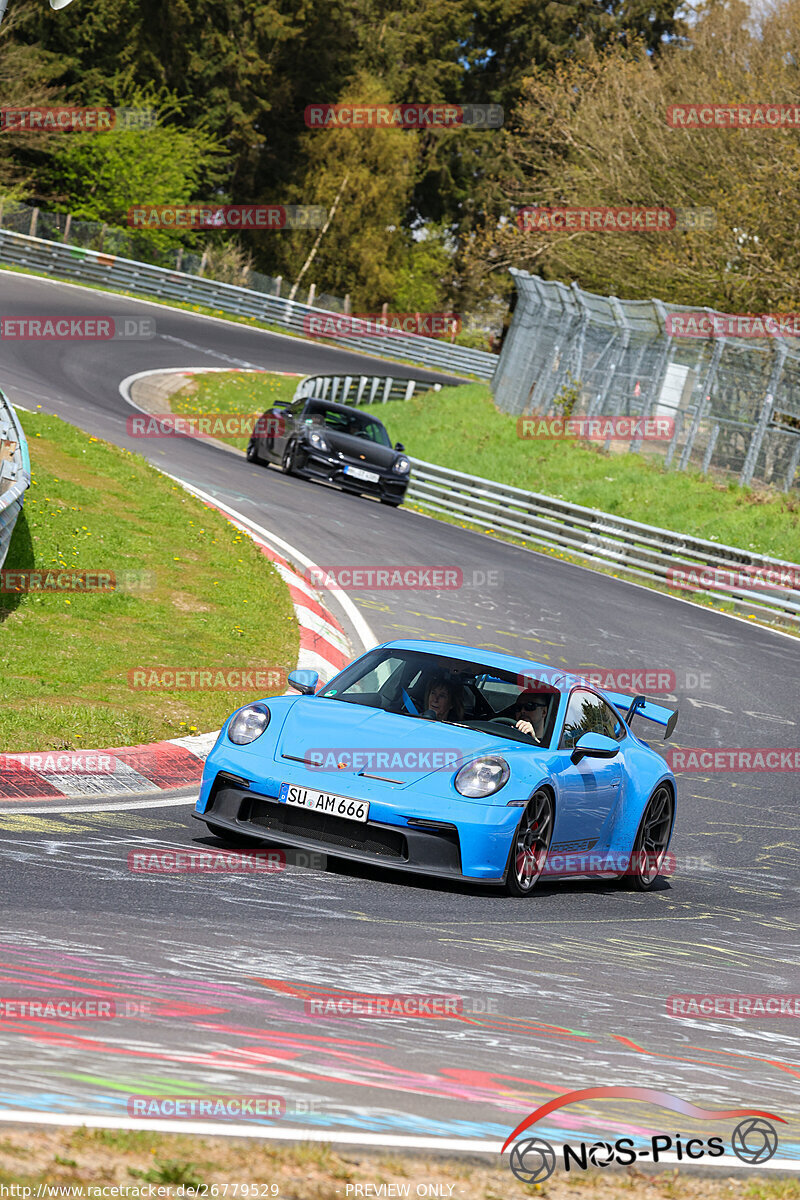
(530, 845)
(391, 503)
(252, 452)
(289, 459)
(652, 840)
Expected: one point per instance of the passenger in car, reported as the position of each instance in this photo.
(443, 701)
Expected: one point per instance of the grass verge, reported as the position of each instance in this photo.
(102, 1159)
(202, 598)
(460, 427)
(240, 392)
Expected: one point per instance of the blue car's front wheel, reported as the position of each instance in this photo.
(652, 839)
(530, 845)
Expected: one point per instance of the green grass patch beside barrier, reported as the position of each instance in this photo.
(460, 428)
(238, 392)
(193, 594)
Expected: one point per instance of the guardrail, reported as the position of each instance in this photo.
(369, 389)
(125, 274)
(598, 537)
(15, 472)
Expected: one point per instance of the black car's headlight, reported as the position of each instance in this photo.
(483, 776)
(402, 466)
(248, 724)
(318, 442)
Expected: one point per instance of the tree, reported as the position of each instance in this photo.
(596, 133)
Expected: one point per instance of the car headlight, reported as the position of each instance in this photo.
(402, 466)
(318, 441)
(248, 724)
(483, 776)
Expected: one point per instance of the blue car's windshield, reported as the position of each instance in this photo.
(436, 688)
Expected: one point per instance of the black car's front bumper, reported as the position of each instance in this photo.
(388, 486)
(429, 849)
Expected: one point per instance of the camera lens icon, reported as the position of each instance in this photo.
(533, 1161)
(754, 1140)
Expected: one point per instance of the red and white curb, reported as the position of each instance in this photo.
(177, 762)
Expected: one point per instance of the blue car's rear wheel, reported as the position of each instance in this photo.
(652, 839)
(530, 845)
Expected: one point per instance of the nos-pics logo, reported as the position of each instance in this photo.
(754, 1140)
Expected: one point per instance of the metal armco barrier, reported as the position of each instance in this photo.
(642, 550)
(15, 473)
(361, 389)
(124, 274)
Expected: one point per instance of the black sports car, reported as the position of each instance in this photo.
(335, 443)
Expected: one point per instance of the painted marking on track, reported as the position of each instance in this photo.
(118, 805)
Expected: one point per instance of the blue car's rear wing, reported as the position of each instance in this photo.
(629, 706)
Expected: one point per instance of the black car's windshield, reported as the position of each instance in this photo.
(354, 423)
(435, 688)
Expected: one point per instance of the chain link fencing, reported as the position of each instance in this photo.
(735, 401)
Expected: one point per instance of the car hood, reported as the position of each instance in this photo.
(354, 447)
(331, 731)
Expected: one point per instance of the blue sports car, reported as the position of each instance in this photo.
(449, 761)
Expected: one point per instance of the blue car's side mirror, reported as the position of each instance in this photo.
(304, 682)
(593, 745)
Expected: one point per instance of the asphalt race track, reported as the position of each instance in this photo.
(563, 991)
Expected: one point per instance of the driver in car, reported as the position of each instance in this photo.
(531, 712)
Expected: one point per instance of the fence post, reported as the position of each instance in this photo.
(621, 320)
(712, 441)
(793, 462)
(312, 291)
(760, 430)
(676, 433)
(67, 229)
(34, 222)
(704, 403)
(387, 387)
(658, 374)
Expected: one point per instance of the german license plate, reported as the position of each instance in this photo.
(357, 473)
(324, 802)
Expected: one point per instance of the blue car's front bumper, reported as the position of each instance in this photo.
(466, 841)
